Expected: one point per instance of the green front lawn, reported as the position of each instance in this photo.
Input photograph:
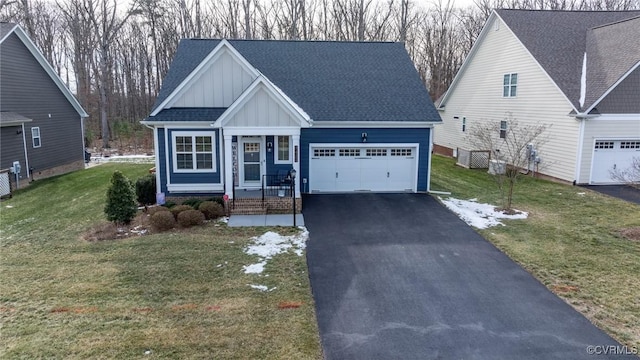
(571, 242)
(180, 294)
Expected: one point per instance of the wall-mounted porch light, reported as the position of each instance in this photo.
(364, 137)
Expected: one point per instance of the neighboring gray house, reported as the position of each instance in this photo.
(578, 71)
(41, 124)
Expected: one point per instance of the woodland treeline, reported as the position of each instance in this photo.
(114, 54)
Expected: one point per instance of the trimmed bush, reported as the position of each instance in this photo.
(193, 202)
(163, 221)
(156, 209)
(146, 190)
(121, 205)
(211, 210)
(189, 218)
(169, 204)
(176, 210)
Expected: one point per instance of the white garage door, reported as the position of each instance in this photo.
(612, 154)
(375, 167)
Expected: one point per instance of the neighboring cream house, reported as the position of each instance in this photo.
(577, 71)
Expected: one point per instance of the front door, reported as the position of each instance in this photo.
(251, 162)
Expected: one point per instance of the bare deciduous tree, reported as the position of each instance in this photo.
(510, 144)
(630, 175)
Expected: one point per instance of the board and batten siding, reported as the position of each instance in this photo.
(27, 89)
(218, 84)
(420, 136)
(477, 96)
(262, 110)
(606, 129)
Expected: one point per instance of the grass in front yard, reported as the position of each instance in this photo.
(176, 294)
(571, 242)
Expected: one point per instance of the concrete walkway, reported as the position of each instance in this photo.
(265, 220)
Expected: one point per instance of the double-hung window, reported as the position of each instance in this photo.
(35, 137)
(509, 85)
(283, 150)
(503, 129)
(193, 151)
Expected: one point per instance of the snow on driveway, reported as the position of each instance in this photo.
(477, 214)
(270, 244)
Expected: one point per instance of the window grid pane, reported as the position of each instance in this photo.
(184, 161)
(204, 161)
(283, 148)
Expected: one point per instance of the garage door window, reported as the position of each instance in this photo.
(349, 152)
(376, 152)
(604, 144)
(401, 152)
(630, 144)
(324, 152)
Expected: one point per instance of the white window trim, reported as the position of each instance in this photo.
(193, 134)
(505, 129)
(33, 137)
(509, 96)
(275, 155)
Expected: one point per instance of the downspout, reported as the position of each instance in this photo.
(26, 156)
(157, 160)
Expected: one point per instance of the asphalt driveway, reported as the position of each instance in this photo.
(624, 192)
(398, 276)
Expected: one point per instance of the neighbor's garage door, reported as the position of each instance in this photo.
(371, 168)
(612, 154)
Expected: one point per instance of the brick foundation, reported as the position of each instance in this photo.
(442, 150)
(272, 205)
(58, 170)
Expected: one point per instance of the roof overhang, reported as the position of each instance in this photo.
(375, 124)
(8, 118)
(47, 67)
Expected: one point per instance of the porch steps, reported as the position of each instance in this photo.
(250, 206)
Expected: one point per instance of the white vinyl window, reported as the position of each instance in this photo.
(464, 124)
(35, 137)
(194, 151)
(509, 85)
(503, 129)
(283, 150)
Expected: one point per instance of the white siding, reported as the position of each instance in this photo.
(607, 129)
(478, 96)
(218, 84)
(262, 110)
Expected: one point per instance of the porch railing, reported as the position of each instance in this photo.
(280, 185)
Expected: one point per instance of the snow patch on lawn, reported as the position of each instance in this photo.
(270, 244)
(261, 287)
(479, 215)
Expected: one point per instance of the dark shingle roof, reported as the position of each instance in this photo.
(5, 28)
(330, 81)
(611, 51)
(558, 41)
(188, 114)
(8, 118)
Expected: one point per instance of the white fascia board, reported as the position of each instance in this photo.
(214, 54)
(609, 90)
(277, 95)
(182, 124)
(295, 107)
(375, 124)
(467, 60)
(194, 188)
(618, 117)
(259, 131)
(48, 69)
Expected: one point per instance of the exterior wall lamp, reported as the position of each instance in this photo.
(364, 137)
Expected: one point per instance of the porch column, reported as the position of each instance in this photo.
(228, 166)
(296, 162)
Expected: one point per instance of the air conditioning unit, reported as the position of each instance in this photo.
(497, 167)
